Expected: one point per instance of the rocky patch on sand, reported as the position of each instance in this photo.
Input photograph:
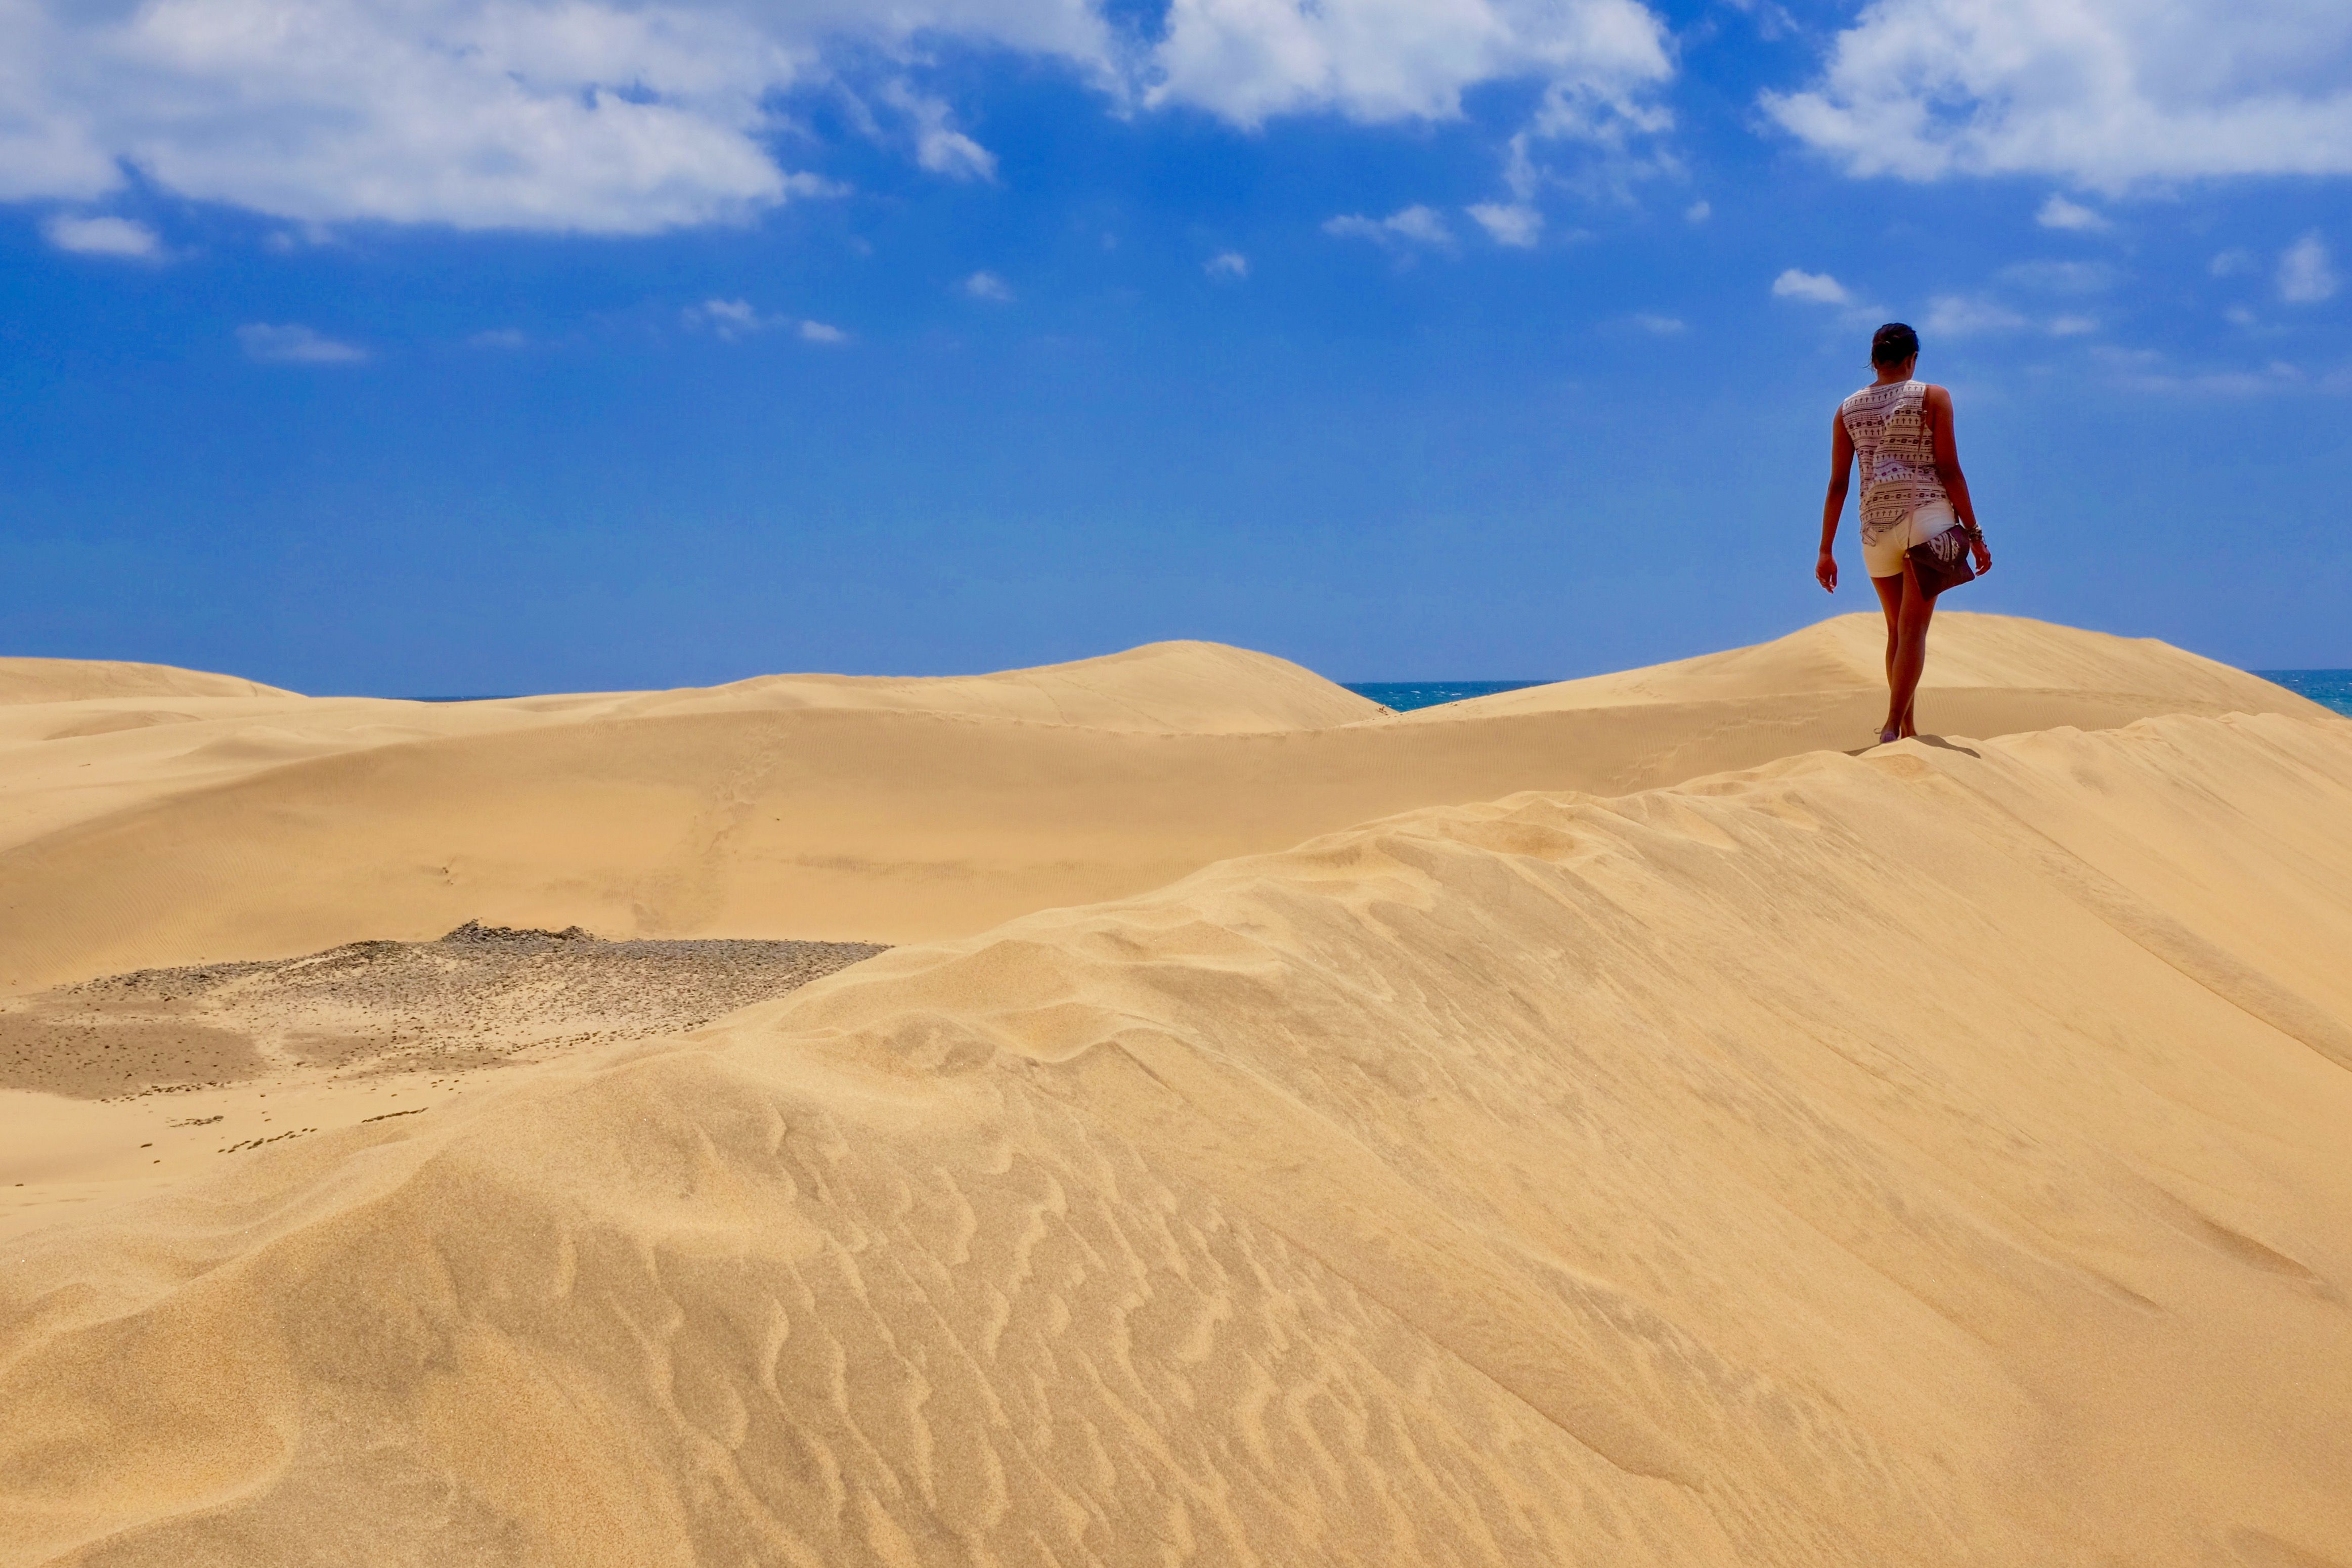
(479, 996)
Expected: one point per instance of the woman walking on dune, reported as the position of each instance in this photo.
(1912, 493)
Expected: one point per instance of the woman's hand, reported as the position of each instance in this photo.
(1825, 570)
(1977, 547)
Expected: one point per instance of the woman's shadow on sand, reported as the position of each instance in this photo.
(1937, 741)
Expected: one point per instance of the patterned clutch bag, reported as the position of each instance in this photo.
(1942, 563)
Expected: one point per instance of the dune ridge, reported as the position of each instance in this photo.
(1931, 1157)
(1845, 653)
(1168, 688)
(81, 680)
(886, 810)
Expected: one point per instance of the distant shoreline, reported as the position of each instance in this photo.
(2328, 688)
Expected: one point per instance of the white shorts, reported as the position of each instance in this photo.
(1883, 556)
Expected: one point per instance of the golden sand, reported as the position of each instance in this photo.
(226, 829)
(1736, 1152)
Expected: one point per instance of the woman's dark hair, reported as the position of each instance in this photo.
(1893, 344)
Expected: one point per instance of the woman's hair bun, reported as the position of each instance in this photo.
(1893, 344)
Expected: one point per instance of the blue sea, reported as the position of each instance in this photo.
(1404, 696)
(2329, 687)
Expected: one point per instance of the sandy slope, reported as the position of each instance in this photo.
(1184, 687)
(1969, 652)
(134, 834)
(1943, 1156)
(80, 679)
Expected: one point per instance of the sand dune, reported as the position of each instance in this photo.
(1942, 1156)
(882, 810)
(1970, 653)
(1167, 688)
(79, 679)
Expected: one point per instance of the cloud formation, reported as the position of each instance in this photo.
(101, 236)
(2060, 212)
(734, 319)
(1415, 225)
(2306, 272)
(1248, 60)
(2107, 93)
(295, 344)
(1961, 316)
(1516, 224)
(1817, 288)
(634, 116)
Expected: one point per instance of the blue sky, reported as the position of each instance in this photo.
(499, 346)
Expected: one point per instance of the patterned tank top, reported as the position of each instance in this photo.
(1894, 450)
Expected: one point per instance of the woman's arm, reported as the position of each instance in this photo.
(1834, 505)
(1948, 469)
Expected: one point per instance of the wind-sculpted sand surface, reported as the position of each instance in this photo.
(137, 834)
(1938, 1156)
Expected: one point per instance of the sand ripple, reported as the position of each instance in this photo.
(1936, 1157)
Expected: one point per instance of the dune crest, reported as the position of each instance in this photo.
(1934, 1157)
(1169, 687)
(886, 810)
(82, 680)
(1967, 652)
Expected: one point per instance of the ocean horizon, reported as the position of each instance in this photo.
(2328, 688)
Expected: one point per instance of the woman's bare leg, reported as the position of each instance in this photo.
(1890, 598)
(1909, 659)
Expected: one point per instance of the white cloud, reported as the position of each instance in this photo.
(2107, 93)
(2233, 261)
(498, 338)
(555, 114)
(1509, 225)
(634, 116)
(2306, 273)
(1957, 316)
(1248, 60)
(2060, 212)
(1819, 287)
(939, 145)
(730, 319)
(1226, 264)
(1662, 326)
(953, 153)
(1697, 212)
(294, 344)
(987, 286)
(2073, 326)
(734, 319)
(1414, 224)
(101, 236)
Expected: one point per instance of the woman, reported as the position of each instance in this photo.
(1912, 486)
